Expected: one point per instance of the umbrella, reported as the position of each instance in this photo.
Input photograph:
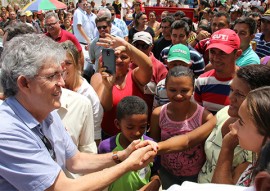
(45, 5)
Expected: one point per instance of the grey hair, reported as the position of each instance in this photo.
(51, 14)
(24, 56)
(104, 12)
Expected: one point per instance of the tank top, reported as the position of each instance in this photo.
(130, 89)
(189, 162)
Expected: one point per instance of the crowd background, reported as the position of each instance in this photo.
(210, 59)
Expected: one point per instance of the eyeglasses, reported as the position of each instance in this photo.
(102, 27)
(55, 77)
(142, 46)
(50, 24)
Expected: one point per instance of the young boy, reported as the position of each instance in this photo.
(131, 119)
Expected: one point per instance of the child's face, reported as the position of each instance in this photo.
(177, 63)
(179, 89)
(133, 126)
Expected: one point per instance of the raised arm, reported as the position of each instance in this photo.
(143, 73)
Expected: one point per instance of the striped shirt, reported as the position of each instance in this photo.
(197, 60)
(262, 47)
(212, 92)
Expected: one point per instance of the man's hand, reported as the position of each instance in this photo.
(140, 158)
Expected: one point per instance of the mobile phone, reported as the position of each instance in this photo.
(108, 60)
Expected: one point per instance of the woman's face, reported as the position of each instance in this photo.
(69, 69)
(142, 20)
(239, 91)
(152, 16)
(122, 63)
(247, 132)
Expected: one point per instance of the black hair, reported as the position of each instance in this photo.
(255, 75)
(178, 24)
(169, 19)
(252, 25)
(263, 163)
(181, 14)
(189, 22)
(137, 17)
(223, 13)
(131, 105)
(179, 71)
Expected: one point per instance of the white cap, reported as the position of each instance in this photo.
(143, 36)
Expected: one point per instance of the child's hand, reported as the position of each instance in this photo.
(147, 142)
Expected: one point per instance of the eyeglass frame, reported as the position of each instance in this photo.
(51, 24)
(54, 77)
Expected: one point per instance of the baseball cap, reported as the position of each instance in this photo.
(225, 39)
(266, 15)
(179, 52)
(143, 36)
(22, 13)
(41, 12)
(28, 13)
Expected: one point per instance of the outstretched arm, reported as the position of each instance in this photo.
(188, 140)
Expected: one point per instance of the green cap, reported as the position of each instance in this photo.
(179, 52)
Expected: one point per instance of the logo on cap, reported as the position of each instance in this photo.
(222, 37)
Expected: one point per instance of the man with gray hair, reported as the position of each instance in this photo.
(115, 31)
(55, 32)
(35, 147)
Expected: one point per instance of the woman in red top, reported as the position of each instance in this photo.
(125, 82)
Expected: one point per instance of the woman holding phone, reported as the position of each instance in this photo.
(125, 82)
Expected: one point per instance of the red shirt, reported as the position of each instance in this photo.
(64, 36)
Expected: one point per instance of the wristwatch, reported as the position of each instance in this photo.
(115, 157)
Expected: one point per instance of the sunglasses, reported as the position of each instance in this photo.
(113, 14)
(141, 46)
(102, 27)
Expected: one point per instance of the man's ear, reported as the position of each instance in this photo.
(238, 53)
(117, 123)
(23, 83)
(262, 181)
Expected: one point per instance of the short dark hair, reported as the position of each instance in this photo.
(252, 25)
(181, 14)
(223, 13)
(101, 19)
(189, 22)
(255, 75)
(178, 24)
(131, 105)
(179, 71)
(169, 19)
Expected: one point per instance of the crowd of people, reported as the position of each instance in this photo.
(187, 100)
